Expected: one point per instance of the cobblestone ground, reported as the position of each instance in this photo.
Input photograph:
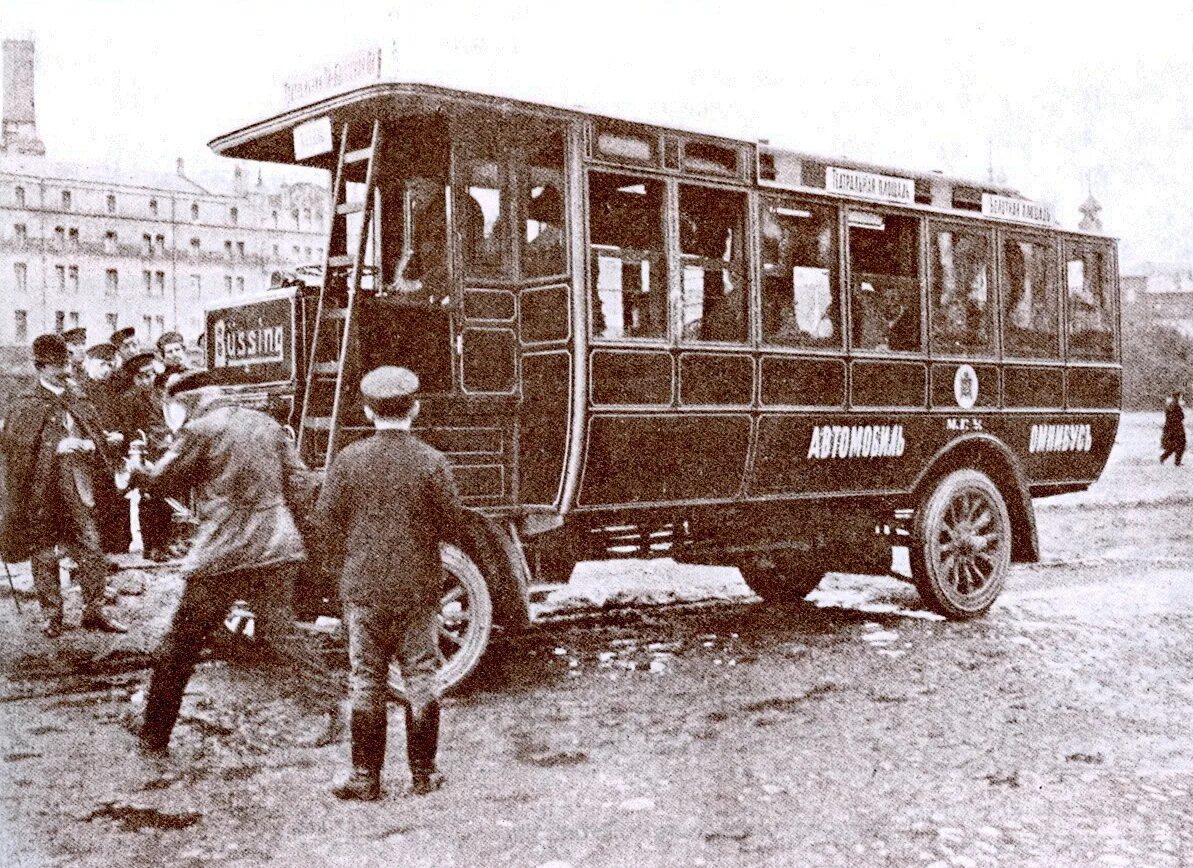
(853, 730)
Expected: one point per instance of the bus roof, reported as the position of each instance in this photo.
(272, 139)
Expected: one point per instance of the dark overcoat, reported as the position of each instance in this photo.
(386, 504)
(34, 515)
(1172, 438)
(246, 475)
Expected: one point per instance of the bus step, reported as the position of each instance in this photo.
(350, 207)
(539, 593)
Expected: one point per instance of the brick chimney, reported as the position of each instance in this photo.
(18, 125)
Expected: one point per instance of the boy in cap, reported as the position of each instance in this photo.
(247, 478)
(55, 450)
(386, 504)
(141, 417)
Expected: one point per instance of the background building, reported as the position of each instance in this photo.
(102, 248)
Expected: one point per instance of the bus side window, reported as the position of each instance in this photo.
(962, 309)
(711, 241)
(799, 274)
(1091, 314)
(884, 251)
(1030, 319)
(629, 258)
(543, 251)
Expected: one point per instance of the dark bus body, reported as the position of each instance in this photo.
(639, 341)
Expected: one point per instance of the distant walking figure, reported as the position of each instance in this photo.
(1172, 439)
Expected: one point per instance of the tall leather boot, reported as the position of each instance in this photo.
(422, 745)
(363, 783)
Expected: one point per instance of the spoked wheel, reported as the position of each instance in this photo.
(465, 622)
(961, 545)
(785, 577)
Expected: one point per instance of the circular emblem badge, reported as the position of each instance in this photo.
(965, 387)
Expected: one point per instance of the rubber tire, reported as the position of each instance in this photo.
(459, 568)
(789, 578)
(926, 526)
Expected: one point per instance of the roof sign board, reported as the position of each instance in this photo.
(865, 185)
(358, 69)
(1020, 210)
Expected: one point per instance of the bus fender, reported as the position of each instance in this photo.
(504, 567)
(990, 455)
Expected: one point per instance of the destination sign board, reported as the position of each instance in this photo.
(357, 69)
(866, 185)
(1019, 210)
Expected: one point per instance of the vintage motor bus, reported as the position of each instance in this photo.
(641, 341)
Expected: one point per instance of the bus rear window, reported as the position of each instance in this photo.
(1091, 309)
(1030, 320)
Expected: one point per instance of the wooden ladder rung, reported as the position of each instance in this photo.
(318, 423)
(350, 207)
(358, 156)
(339, 261)
(324, 369)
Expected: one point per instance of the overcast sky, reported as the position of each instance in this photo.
(1060, 102)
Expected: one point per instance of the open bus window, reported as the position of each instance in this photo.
(628, 256)
(543, 251)
(962, 297)
(1091, 312)
(483, 220)
(711, 242)
(884, 251)
(799, 274)
(1030, 321)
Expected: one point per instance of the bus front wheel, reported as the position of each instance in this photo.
(961, 545)
(782, 577)
(464, 625)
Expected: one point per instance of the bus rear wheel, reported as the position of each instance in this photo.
(465, 622)
(961, 545)
(782, 577)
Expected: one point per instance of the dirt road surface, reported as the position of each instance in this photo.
(699, 727)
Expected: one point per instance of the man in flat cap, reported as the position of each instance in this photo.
(171, 348)
(387, 503)
(125, 342)
(247, 478)
(55, 448)
(76, 346)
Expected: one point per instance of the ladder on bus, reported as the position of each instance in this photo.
(333, 358)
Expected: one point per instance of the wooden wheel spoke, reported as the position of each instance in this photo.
(451, 596)
(451, 637)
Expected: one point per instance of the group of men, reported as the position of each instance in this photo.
(379, 515)
(64, 441)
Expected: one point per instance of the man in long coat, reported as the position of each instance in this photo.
(55, 452)
(385, 506)
(111, 507)
(247, 475)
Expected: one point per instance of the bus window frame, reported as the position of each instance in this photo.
(791, 198)
(851, 348)
(749, 266)
(1111, 289)
(993, 280)
(669, 218)
(1048, 239)
(463, 151)
(521, 176)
